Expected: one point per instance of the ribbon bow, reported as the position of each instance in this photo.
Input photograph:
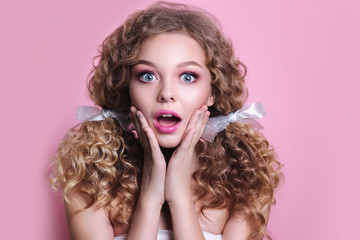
(88, 113)
(246, 114)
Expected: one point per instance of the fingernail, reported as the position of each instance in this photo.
(135, 134)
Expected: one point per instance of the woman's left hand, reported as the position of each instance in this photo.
(181, 164)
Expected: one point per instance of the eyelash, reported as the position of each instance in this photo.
(194, 75)
(141, 74)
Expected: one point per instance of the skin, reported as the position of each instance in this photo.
(180, 82)
(169, 59)
(163, 78)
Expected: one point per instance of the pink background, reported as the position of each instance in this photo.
(303, 61)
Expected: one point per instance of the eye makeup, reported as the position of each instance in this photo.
(146, 76)
(189, 77)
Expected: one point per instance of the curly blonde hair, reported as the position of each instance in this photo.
(238, 171)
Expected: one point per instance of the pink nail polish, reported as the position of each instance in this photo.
(135, 134)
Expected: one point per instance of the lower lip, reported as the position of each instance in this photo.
(164, 129)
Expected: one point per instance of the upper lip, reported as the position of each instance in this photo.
(166, 112)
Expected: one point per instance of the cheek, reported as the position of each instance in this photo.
(204, 93)
(194, 99)
(131, 90)
(136, 94)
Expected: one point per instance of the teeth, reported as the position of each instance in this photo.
(166, 115)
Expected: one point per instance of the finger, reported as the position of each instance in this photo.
(146, 135)
(143, 125)
(139, 124)
(153, 146)
(200, 124)
(202, 118)
(135, 120)
(196, 116)
(186, 144)
(147, 132)
(204, 122)
(199, 134)
(142, 119)
(153, 143)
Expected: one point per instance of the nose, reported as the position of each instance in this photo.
(167, 91)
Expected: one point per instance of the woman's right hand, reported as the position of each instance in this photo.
(151, 197)
(154, 167)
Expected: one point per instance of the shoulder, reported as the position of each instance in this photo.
(87, 171)
(240, 226)
(87, 222)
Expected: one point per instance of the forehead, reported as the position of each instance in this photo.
(174, 47)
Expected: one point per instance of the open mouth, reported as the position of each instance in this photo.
(167, 121)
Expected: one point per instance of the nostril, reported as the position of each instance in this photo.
(166, 98)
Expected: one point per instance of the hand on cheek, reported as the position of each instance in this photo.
(179, 171)
(174, 182)
(154, 168)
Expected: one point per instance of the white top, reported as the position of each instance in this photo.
(168, 235)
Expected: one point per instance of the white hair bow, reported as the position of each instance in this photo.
(246, 114)
(88, 113)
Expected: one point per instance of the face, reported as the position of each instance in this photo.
(169, 82)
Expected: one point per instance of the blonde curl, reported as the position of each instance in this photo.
(239, 171)
(95, 160)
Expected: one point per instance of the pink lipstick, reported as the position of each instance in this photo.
(166, 121)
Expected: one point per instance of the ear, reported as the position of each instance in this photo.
(211, 99)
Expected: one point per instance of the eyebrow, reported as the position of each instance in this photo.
(183, 64)
(145, 63)
(187, 63)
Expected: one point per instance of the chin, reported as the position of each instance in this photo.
(168, 141)
(169, 146)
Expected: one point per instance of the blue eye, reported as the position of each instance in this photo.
(147, 77)
(188, 77)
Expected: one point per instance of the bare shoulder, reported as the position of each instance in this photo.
(238, 226)
(87, 223)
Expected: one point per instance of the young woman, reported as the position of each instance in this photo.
(166, 175)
